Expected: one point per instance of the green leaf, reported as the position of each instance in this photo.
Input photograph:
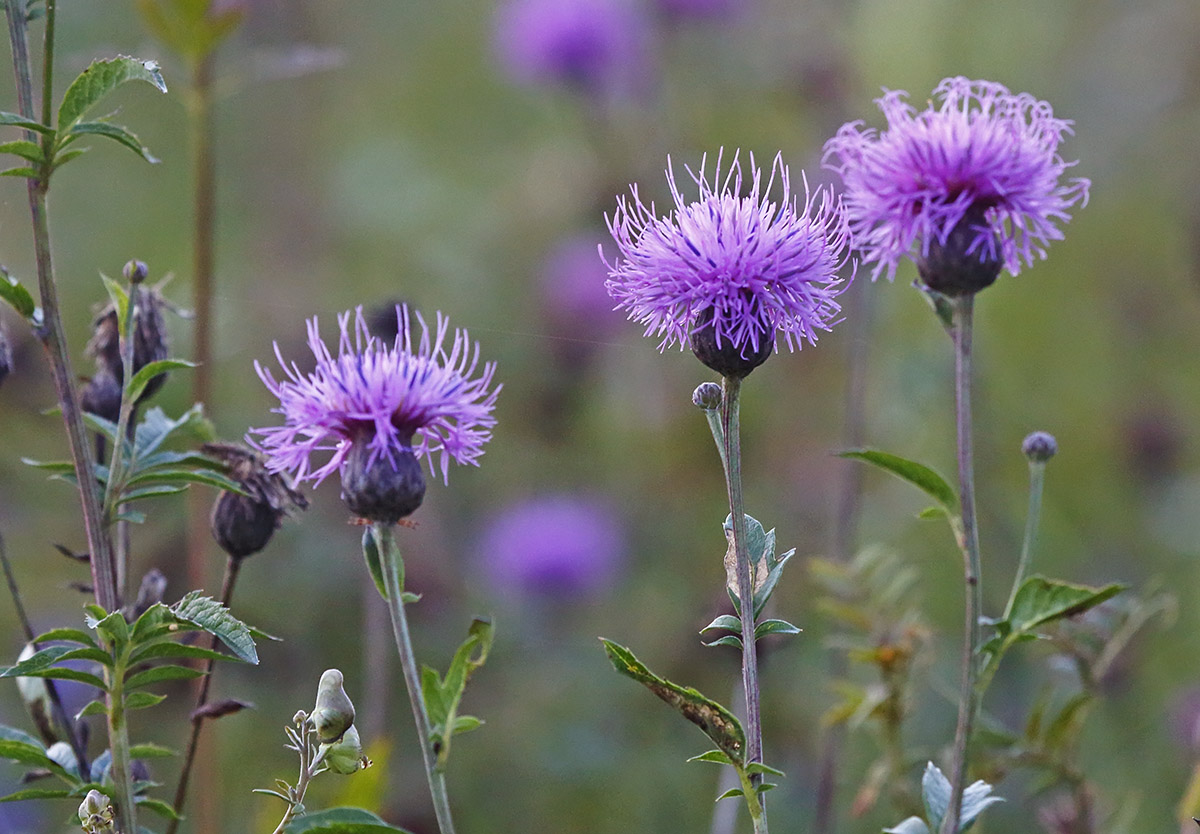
(727, 640)
(1040, 600)
(151, 751)
(211, 616)
(169, 648)
(28, 173)
(120, 301)
(156, 428)
(113, 627)
(340, 821)
(20, 747)
(142, 700)
(726, 621)
(718, 723)
(136, 385)
(465, 724)
(159, 807)
(207, 477)
(17, 296)
(74, 635)
(732, 793)
(42, 665)
(100, 79)
(759, 767)
(152, 491)
(191, 28)
(162, 673)
(917, 474)
(117, 133)
(17, 120)
(774, 627)
(714, 756)
(1063, 728)
(24, 149)
(63, 157)
(37, 793)
(370, 549)
(92, 708)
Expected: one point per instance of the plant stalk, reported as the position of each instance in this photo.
(50, 332)
(232, 567)
(963, 308)
(389, 553)
(118, 744)
(730, 392)
(1037, 479)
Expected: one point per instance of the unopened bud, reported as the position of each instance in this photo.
(334, 713)
(707, 396)
(96, 813)
(1039, 447)
(136, 271)
(346, 756)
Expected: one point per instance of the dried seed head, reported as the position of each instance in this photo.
(243, 524)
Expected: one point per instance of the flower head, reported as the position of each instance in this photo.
(377, 403)
(600, 47)
(979, 162)
(731, 269)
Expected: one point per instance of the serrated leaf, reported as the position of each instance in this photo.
(143, 700)
(714, 756)
(118, 134)
(100, 79)
(17, 120)
(917, 474)
(24, 149)
(340, 821)
(17, 296)
(1040, 600)
(137, 384)
(774, 627)
(162, 673)
(211, 616)
(718, 723)
(113, 627)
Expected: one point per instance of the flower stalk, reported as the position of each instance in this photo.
(968, 540)
(393, 578)
(731, 390)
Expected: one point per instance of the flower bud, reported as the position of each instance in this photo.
(135, 272)
(150, 343)
(96, 813)
(1039, 447)
(243, 524)
(334, 714)
(952, 267)
(721, 354)
(707, 396)
(346, 756)
(383, 489)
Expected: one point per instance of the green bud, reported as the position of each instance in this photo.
(334, 714)
(346, 756)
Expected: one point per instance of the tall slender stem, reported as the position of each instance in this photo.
(118, 745)
(232, 567)
(730, 391)
(50, 333)
(969, 543)
(389, 553)
(1037, 478)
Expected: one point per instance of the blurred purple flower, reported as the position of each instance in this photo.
(979, 154)
(743, 264)
(573, 293)
(598, 46)
(409, 397)
(553, 545)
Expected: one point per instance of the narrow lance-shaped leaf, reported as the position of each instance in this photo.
(718, 723)
(917, 474)
(118, 134)
(340, 821)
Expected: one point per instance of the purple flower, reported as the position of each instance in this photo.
(572, 282)
(731, 269)
(599, 46)
(978, 156)
(410, 398)
(554, 545)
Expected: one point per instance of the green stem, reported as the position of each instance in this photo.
(963, 307)
(730, 391)
(393, 580)
(309, 762)
(117, 463)
(50, 333)
(1037, 478)
(232, 567)
(118, 745)
(758, 812)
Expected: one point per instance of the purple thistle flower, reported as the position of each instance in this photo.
(979, 156)
(410, 399)
(731, 269)
(598, 46)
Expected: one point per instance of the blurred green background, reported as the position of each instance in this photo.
(375, 151)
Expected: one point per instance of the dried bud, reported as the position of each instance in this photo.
(952, 267)
(149, 338)
(1039, 447)
(707, 396)
(724, 356)
(101, 396)
(346, 756)
(96, 813)
(384, 490)
(334, 714)
(244, 524)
